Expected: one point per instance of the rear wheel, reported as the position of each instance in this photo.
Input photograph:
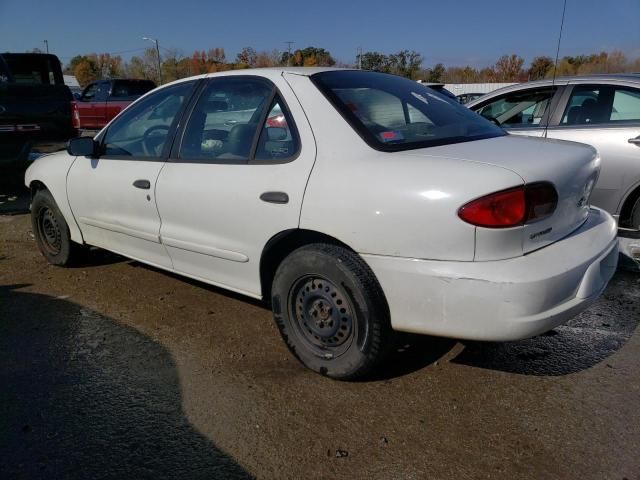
(331, 311)
(51, 231)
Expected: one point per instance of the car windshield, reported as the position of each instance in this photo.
(392, 113)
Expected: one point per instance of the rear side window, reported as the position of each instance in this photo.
(626, 105)
(278, 139)
(229, 115)
(392, 113)
(602, 104)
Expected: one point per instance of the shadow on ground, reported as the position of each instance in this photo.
(583, 342)
(411, 352)
(14, 196)
(85, 397)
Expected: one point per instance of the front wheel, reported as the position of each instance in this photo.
(51, 230)
(331, 311)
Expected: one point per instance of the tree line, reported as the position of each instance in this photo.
(407, 63)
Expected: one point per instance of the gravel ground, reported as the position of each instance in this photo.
(117, 370)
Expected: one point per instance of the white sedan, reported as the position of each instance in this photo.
(357, 203)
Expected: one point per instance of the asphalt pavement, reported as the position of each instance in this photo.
(117, 370)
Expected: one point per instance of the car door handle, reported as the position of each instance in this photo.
(144, 184)
(635, 141)
(228, 123)
(275, 197)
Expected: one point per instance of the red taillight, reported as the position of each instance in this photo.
(75, 115)
(512, 207)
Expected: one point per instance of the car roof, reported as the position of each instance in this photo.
(596, 77)
(306, 71)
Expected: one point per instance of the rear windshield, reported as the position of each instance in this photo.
(392, 113)
(32, 69)
(128, 88)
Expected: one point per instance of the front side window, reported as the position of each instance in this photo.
(142, 131)
(518, 109)
(587, 105)
(393, 113)
(225, 120)
(89, 92)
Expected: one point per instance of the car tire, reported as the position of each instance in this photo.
(331, 311)
(52, 232)
(635, 215)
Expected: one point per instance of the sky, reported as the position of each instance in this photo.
(454, 32)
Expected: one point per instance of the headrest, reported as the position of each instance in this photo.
(213, 106)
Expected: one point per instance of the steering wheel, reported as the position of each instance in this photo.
(149, 149)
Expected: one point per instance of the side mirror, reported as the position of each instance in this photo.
(82, 147)
(277, 133)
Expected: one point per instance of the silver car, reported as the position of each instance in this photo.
(600, 110)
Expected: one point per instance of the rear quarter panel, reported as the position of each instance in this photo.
(393, 204)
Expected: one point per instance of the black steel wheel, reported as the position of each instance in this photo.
(331, 311)
(323, 314)
(51, 230)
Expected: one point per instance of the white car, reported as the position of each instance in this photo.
(357, 203)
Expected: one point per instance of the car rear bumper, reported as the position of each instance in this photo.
(504, 299)
(15, 149)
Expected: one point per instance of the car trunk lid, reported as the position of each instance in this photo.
(572, 168)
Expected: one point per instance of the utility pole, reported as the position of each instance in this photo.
(289, 43)
(158, 54)
(46, 44)
(359, 55)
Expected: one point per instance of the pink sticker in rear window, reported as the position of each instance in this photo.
(391, 135)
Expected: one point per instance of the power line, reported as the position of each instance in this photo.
(289, 43)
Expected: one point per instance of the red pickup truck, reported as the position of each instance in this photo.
(102, 100)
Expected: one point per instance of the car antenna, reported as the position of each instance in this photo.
(555, 65)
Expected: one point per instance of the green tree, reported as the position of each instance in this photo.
(376, 61)
(405, 63)
(247, 57)
(436, 74)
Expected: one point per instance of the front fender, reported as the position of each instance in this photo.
(51, 171)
